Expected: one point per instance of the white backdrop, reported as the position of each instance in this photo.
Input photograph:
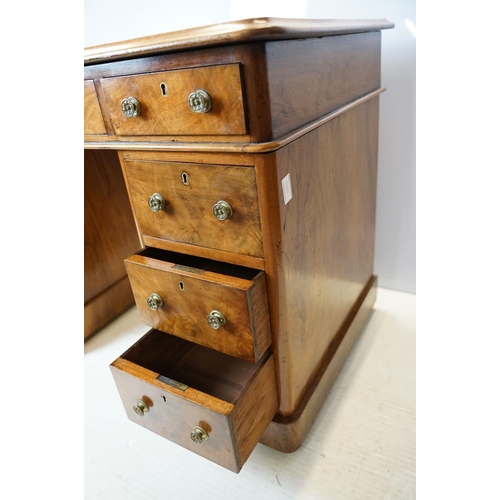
(113, 20)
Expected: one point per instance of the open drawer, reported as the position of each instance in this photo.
(214, 304)
(215, 405)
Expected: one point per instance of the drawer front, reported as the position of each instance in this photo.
(223, 312)
(93, 122)
(164, 102)
(190, 193)
(232, 420)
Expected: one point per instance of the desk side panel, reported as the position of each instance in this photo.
(319, 246)
(110, 235)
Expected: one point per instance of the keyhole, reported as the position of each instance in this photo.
(164, 398)
(163, 89)
(185, 179)
(181, 285)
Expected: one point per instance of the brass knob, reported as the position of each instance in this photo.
(200, 101)
(141, 407)
(198, 435)
(131, 107)
(215, 319)
(156, 202)
(154, 301)
(222, 210)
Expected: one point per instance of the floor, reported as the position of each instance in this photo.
(361, 446)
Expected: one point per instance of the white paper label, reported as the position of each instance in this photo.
(286, 183)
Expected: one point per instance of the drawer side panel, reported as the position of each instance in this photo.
(325, 242)
(259, 315)
(254, 411)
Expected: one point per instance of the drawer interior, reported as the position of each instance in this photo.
(211, 372)
(187, 386)
(200, 263)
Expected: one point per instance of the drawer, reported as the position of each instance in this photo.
(214, 304)
(190, 194)
(170, 102)
(211, 404)
(93, 122)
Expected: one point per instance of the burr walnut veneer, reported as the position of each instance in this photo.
(230, 184)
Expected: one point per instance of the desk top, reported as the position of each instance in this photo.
(248, 30)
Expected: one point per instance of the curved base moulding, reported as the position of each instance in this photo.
(286, 434)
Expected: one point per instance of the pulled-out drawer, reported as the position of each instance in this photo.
(197, 101)
(214, 304)
(215, 405)
(211, 206)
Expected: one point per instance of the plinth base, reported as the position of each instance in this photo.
(286, 434)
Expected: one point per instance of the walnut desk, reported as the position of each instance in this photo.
(234, 168)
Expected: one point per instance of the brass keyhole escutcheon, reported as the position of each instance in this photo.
(198, 435)
(141, 407)
(156, 202)
(216, 319)
(200, 101)
(222, 210)
(131, 107)
(154, 302)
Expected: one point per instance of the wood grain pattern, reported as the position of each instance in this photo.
(208, 253)
(173, 413)
(175, 418)
(187, 217)
(170, 114)
(217, 143)
(303, 88)
(250, 57)
(286, 434)
(100, 310)
(285, 88)
(204, 158)
(264, 28)
(302, 103)
(93, 122)
(110, 235)
(254, 410)
(259, 315)
(238, 293)
(269, 204)
(218, 379)
(321, 241)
